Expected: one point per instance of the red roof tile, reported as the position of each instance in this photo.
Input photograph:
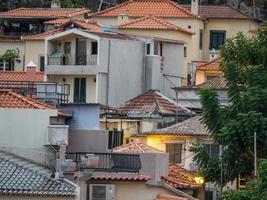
(217, 12)
(136, 147)
(41, 36)
(169, 197)
(208, 65)
(151, 102)
(154, 23)
(18, 76)
(119, 176)
(46, 13)
(179, 178)
(141, 8)
(89, 25)
(11, 99)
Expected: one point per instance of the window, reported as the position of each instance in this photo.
(67, 47)
(189, 27)
(148, 46)
(101, 192)
(211, 76)
(42, 63)
(185, 52)
(94, 48)
(175, 152)
(217, 38)
(200, 39)
(79, 90)
(161, 49)
(208, 195)
(212, 149)
(7, 66)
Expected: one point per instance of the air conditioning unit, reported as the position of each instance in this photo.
(102, 191)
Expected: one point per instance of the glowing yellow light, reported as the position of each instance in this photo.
(199, 180)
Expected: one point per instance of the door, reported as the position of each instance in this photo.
(79, 90)
(81, 51)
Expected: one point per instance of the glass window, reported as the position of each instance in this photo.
(79, 90)
(213, 149)
(98, 192)
(148, 46)
(175, 152)
(94, 48)
(217, 38)
(42, 63)
(185, 52)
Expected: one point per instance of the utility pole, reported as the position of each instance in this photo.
(255, 154)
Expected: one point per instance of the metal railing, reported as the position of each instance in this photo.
(47, 92)
(108, 162)
(72, 60)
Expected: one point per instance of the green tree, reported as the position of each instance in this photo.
(255, 190)
(10, 55)
(244, 64)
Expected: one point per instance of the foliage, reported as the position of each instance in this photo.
(73, 3)
(244, 64)
(10, 55)
(255, 189)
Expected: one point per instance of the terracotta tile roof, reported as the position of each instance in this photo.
(154, 23)
(151, 102)
(180, 178)
(11, 99)
(22, 178)
(18, 76)
(208, 65)
(191, 126)
(169, 197)
(136, 147)
(46, 13)
(42, 36)
(141, 8)
(89, 25)
(218, 83)
(119, 176)
(217, 12)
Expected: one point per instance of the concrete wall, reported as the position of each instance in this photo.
(33, 51)
(153, 72)
(154, 165)
(83, 140)
(25, 130)
(190, 98)
(84, 116)
(19, 46)
(125, 66)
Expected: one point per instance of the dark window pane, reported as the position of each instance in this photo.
(94, 48)
(217, 38)
(99, 192)
(148, 49)
(42, 63)
(185, 52)
(175, 152)
(200, 39)
(79, 90)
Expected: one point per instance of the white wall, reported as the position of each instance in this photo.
(25, 130)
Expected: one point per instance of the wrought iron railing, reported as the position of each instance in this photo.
(108, 162)
(47, 92)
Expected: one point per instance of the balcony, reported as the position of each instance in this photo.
(58, 134)
(59, 63)
(47, 92)
(107, 162)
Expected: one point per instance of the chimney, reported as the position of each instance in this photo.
(194, 7)
(31, 73)
(55, 4)
(123, 18)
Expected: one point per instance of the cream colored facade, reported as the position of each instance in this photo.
(69, 79)
(34, 49)
(203, 75)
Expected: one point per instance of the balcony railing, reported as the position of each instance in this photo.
(108, 162)
(47, 92)
(72, 60)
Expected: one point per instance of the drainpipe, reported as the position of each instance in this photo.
(107, 91)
